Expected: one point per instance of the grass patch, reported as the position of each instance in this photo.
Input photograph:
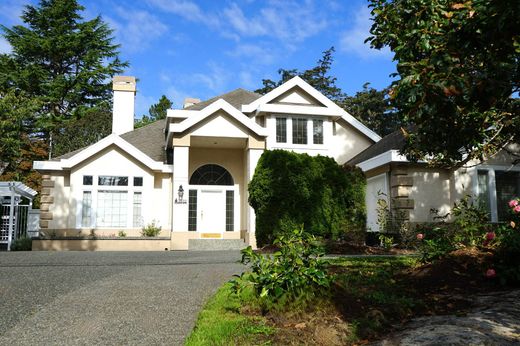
(221, 323)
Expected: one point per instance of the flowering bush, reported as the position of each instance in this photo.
(507, 258)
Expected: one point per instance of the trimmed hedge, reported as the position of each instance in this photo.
(289, 190)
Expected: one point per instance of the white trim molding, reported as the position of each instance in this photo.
(330, 108)
(383, 159)
(113, 139)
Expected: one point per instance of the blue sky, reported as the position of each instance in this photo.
(190, 48)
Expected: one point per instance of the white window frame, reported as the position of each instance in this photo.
(95, 188)
(491, 184)
(310, 132)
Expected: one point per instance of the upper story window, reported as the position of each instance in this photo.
(281, 130)
(87, 180)
(138, 181)
(109, 180)
(299, 131)
(317, 131)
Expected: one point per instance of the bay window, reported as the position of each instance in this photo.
(111, 203)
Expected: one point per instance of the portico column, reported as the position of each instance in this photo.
(253, 155)
(180, 189)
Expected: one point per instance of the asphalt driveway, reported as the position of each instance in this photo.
(106, 298)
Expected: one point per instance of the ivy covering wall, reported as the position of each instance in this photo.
(289, 190)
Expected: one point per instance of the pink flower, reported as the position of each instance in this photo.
(490, 235)
(491, 273)
(517, 209)
(513, 203)
(420, 236)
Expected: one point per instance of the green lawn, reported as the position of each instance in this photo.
(366, 296)
(220, 323)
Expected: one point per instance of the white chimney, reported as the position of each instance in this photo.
(123, 106)
(190, 101)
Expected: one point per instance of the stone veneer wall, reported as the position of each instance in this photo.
(401, 183)
(46, 202)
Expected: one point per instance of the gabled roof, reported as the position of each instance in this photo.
(82, 155)
(236, 98)
(330, 107)
(212, 109)
(149, 139)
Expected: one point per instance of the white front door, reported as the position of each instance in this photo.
(377, 188)
(212, 212)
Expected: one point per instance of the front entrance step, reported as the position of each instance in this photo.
(215, 244)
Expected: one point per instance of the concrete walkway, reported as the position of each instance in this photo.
(107, 298)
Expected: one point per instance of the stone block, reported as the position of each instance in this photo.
(400, 191)
(44, 224)
(45, 191)
(48, 183)
(46, 215)
(47, 199)
(45, 207)
(401, 180)
(403, 203)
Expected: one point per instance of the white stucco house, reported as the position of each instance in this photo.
(188, 173)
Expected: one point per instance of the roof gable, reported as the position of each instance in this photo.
(81, 156)
(328, 107)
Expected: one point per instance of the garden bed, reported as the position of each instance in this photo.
(371, 297)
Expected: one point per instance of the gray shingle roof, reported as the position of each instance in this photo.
(393, 141)
(236, 98)
(149, 139)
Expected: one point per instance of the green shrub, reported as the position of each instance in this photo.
(294, 273)
(122, 234)
(507, 256)
(468, 229)
(290, 189)
(22, 244)
(151, 230)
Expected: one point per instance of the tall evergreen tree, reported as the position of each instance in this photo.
(62, 60)
(156, 112)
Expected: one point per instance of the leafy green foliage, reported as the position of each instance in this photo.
(373, 108)
(60, 60)
(458, 72)
(151, 230)
(294, 272)
(22, 244)
(468, 229)
(92, 126)
(507, 256)
(290, 189)
(156, 112)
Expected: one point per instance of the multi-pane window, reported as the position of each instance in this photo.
(230, 215)
(137, 210)
(109, 180)
(281, 130)
(299, 131)
(112, 208)
(507, 187)
(87, 180)
(317, 131)
(86, 210)
(483, 190)
(192, 210)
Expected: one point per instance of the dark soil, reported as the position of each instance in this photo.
(349, 248)
(445, 287)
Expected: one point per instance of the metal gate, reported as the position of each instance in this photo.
(15, 228)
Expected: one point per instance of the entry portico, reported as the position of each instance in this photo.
(215, 153)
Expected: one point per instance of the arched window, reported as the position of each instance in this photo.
(211, 175)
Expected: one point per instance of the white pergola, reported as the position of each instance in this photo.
(14, 191)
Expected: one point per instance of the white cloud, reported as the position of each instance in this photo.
(353, 40)
(289, 22)
(254, 53)
(5, 47)
(185, 9)
(135, 29)
(214, 80)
